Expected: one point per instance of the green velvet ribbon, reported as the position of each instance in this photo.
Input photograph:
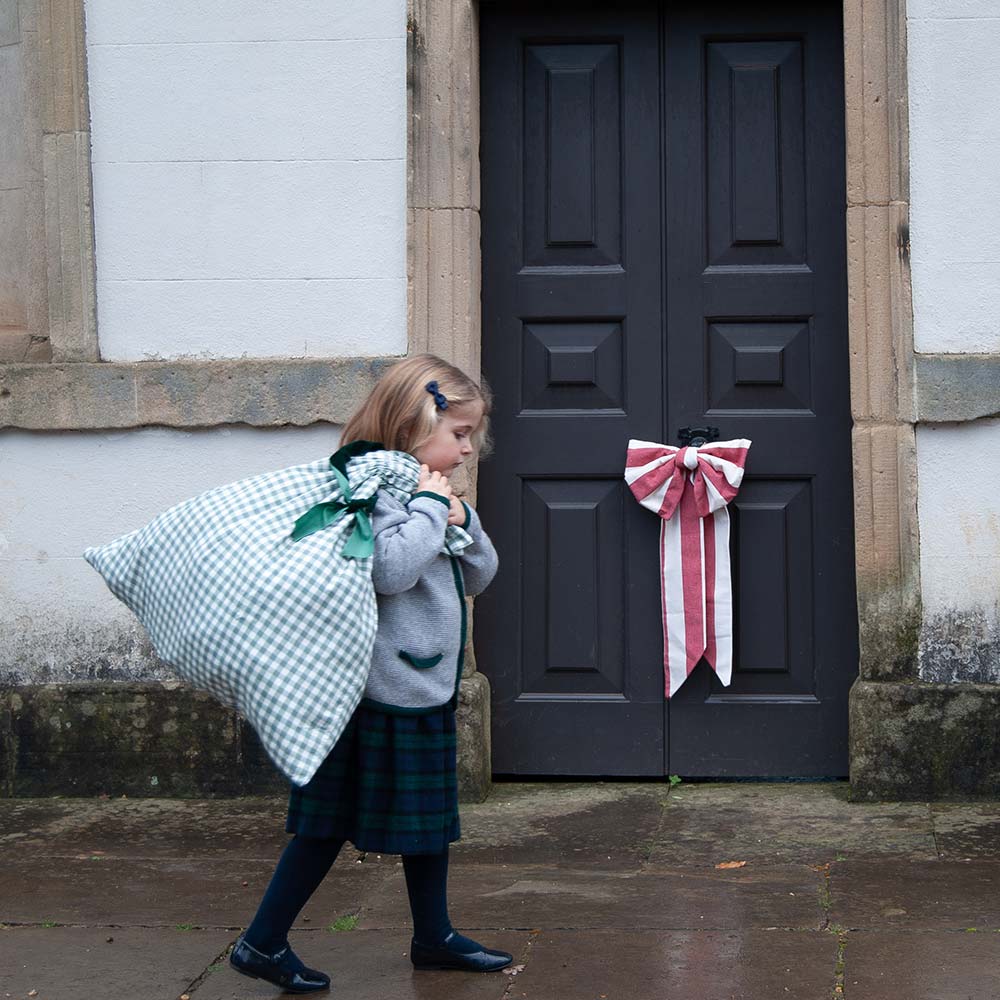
(361, 541)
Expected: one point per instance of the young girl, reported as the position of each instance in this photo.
(389, 785)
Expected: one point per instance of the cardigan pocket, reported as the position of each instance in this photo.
(421, 662)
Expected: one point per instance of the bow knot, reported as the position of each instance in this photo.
(361, 542)
(689, 457)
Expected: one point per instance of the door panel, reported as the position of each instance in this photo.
(571, 300)
(572, 162)
(756, 335)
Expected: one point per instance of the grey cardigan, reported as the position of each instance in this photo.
(420, 643)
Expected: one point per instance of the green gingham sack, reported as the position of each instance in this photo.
(260, 593)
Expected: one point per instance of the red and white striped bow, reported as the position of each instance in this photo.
(696, 484)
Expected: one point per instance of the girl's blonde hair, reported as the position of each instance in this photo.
(401, 414)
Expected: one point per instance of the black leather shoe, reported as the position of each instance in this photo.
(443, 957)
(284, 968)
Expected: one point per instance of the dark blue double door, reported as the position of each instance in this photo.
(664, 245)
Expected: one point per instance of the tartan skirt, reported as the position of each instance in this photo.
(390, 785)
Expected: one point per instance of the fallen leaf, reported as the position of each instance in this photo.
(730, 864)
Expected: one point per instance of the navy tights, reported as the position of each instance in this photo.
(304, 864)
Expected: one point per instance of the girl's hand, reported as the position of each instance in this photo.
(457, 513)
(434, 482)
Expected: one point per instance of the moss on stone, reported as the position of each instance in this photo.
(922, 741)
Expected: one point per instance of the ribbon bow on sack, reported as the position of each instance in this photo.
(689, 489)
(361, 541)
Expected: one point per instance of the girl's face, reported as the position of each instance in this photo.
(451, 443)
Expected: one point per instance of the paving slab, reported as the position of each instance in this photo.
(252, 828)
(545, 896)
(694, 965)
(930, 965)
(967, 830)
(812, 822)
(368, 965)
(162, 893)
(80, 963)
(918, 895)
(563, 823)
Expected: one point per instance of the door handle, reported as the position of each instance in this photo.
(697, 436)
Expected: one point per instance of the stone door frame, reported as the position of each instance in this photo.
(445, 277)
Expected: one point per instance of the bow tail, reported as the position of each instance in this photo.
(672, 606)
(718, 596)
(682, 589)
(696, 594)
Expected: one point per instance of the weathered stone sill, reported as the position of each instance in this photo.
(913, 740)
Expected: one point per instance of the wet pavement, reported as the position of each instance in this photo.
(602, 891)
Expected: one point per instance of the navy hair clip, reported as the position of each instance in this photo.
(439, 397)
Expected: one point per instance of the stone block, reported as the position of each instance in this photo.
(886, 549)
(28, 15)
(444, 285)
(69, 227)
(266, 393)
(924, 741)
(13, 136)
(13, 262)
(871, 249)
(474, 752)
(443, 99)
(14, 346)
(258, 773)
(39, 351)
(64, 81)
(875, 74)
(10, 28)
(957, 387)
(889, 632)
(123, 739)
(19, 346)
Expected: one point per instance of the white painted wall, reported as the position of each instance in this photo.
(959, 509)
(249, 177)
(954, 110)
(954, 113)
(959, 468)
(62, 492)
